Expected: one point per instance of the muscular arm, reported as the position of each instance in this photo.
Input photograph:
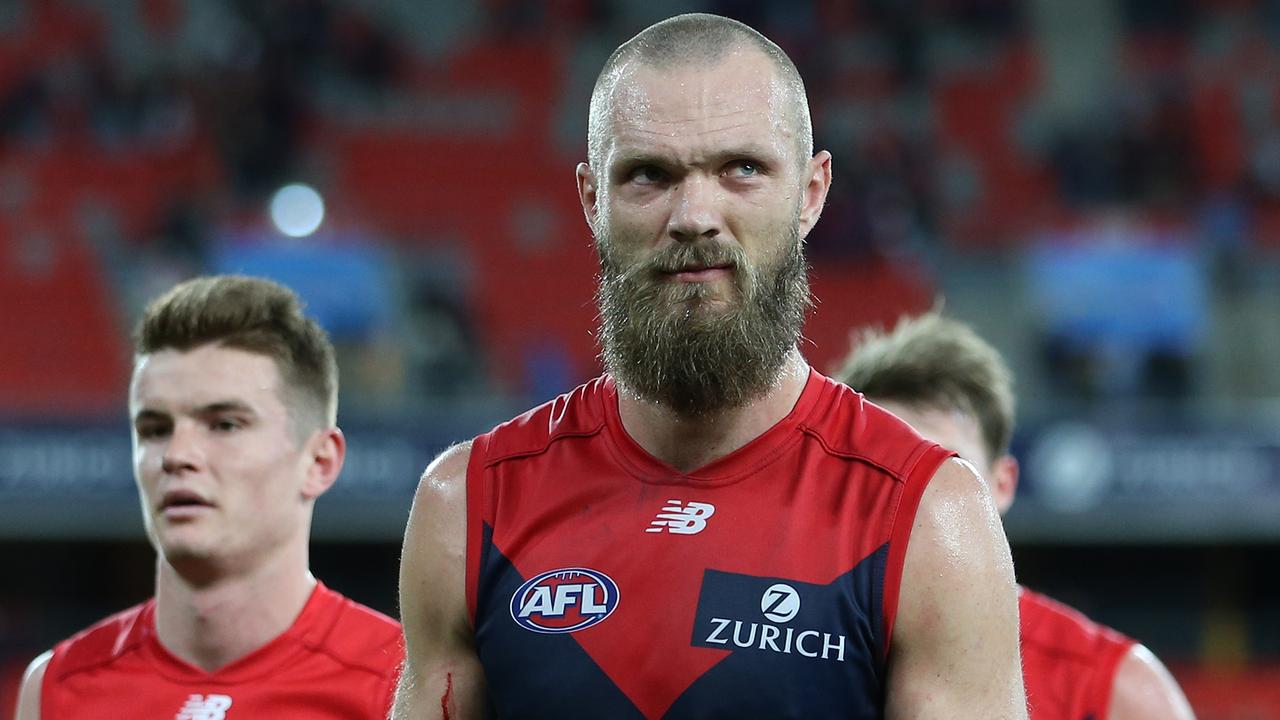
(954, 652)
(442, 677)
(1144, 690)
(29, 693)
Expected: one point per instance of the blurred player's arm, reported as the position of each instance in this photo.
(29, 692)
(1144, 690)
(442, 676)
(954, 652)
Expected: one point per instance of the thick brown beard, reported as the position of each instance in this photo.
(664, 343)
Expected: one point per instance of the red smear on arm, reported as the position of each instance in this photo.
(446, 700)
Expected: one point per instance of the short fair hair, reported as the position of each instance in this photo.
(687, 40)
(932, 361)
(258, 316)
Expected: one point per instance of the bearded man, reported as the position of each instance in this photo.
(712, 528)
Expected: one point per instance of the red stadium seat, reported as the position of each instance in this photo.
(853, 295)
(64, 349)
(1219, 135)
(977, 116)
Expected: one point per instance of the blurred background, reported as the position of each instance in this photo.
(1093, 184)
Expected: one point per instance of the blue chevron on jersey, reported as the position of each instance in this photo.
(602, 582)
(516, 661)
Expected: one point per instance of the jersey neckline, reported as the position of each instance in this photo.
(307, 630)
(725, 470)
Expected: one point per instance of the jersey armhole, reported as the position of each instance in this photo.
(903, 520)
(475, 520)
(45, 691)
(387, 700)
(1104, 682)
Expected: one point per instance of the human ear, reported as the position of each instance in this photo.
(326, 451)
(1004, 483)
(817, 182)
(587, 194)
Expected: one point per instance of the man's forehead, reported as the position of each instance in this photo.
(742, 81)
(670, 110)
(202, 376)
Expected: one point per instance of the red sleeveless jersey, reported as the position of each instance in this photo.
(339, 659)
(1069, 662)
(604, 583)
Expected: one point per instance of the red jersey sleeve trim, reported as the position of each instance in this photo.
(49, 705)
(1104, 680)
(95, 646)
(475, 520)
(916, 480)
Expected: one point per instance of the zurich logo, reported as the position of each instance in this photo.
(780, 603)
(564, 600)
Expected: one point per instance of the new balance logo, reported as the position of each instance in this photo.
(688, 520)
(205, 707)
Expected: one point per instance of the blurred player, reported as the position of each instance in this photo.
(954, 388)
(658, 542)
(233, 403)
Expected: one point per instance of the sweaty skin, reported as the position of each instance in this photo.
(1143, 688)
(440, 656)
(955, 646)
(695, 155)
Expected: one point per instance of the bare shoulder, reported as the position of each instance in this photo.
(957, 479)
(442, 676)
(1144, 690)
(435, 538)
(29, 692)
(954, 650)
(956, 500)
(446, 476)
(957, 540)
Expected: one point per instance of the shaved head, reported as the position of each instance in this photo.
(692, 40)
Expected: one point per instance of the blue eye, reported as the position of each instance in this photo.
(746, 168)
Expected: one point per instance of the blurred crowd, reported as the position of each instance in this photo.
(1093, 185)
(1104, 155)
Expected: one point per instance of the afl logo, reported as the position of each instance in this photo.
(564, 601)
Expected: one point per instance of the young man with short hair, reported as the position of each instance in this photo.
(233, 405)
